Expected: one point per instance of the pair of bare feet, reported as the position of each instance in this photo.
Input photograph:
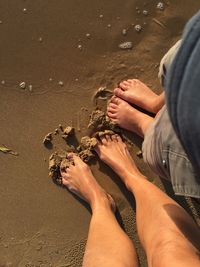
(78, 177)
(126, 116)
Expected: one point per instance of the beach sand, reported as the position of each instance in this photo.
(64, 51)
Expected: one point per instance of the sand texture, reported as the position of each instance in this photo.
(60, 61)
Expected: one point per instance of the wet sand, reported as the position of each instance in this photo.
(46, 45)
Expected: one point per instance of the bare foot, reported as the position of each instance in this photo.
(137, 93)
(79, 179)
(114, 152)
(127, 117)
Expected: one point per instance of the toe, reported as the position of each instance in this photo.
(112, 105)
(114, 138)
(118, 138)
(119, 92)
(115, 100)
(124, 85)
(111, 109)
(111, 115)
(74, 158)
(103, 140)
(108, 138)
(64, 174)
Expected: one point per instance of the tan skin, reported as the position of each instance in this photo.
(168, 234)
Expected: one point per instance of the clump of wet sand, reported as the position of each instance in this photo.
(99, 125)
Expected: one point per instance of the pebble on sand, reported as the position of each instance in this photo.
(109, 25)
(40, 39)
(145, 12)
(3, 82)
(30, 88)
(80, 47)
(101, 16)
(126, 45)
(138, 28)
(88, 35)
(161, 6)
(24, 10)
(22, 85)
(50, 79)
(124, 32)
(61, 83)
(47, 139)
(1, 21)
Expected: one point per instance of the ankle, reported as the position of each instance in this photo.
(133, 178)
(158, 103)
(100, 203)
(144, 124)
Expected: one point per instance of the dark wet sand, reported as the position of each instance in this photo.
(42, 224)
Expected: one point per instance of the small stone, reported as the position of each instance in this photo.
(126, 45)
(138, 28)
(1, 21)
(61, 83)
(76, 80)
(50, 79)
(88, 35)
(56, 131)
(22, 85)
(30, 87)
(161, 6)
(47, 139)
(139, 154)
(3, 82)
(40, 39)
(80, 47)
(124, 32)
(61, 127)
(138, 11)
(101, 16)
(145, 12)
(109, 25)
(24, 10)
(68, 131)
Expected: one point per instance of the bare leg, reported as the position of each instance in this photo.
(107, 243)
(138, 93)
(127, 117)
(169, 235)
